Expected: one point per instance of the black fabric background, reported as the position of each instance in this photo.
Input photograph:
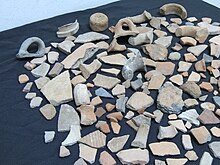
(22, 128)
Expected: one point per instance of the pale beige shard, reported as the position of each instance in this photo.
(192, 19)
(138, 101)
(158, 116)
(94, 139)
(133, 156)
(66, 46)
(191, 155)
(73, 136)
(116, 59)
(176, 161)
(113, 71)
(215, 64)
(197, 50)
(59, 89)
(207, 106)
(48, 111)
(41, 70)
(187, 143)
(115, 127)
(79, 53)
(64, 152)
(87, 114)
(172, 117)
(184, 66)
(52, 57)
(200, 66)
(189, 57)
(102, 45)
(118, 90)
(156, 81)
(177, 79)
(215, 131)
(178, 124)
(165, 41)
(149, 62)
(159, 162)
(172, 27)
(176, 20)
(156, 51)
(141, 137)
(167, 132)
(214, 50)
(40, 82)
(23, 78)
(39, 60)
(166, 68)
(78, 80)
(164, 148)
(105, 81)
(190, 103)
(88, 69)
(160, 33)
(206, 159)
(215, 40)
(201, 134)
(188, 41)
(194, 77)
(117, 143)
(87, 153)
(81, 95)
(106, 159)
(96, 101)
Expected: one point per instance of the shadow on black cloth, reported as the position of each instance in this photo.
(22, 128)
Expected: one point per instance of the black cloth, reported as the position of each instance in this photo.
(22, 128)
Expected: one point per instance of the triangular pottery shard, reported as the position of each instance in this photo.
(59, 89)
(78, 54)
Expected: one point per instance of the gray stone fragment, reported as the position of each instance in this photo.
(49, 136)
(207, 58)
(117, 143)
(81, 95)
(158, 116)
(30, 95)
(40, 82)
(41, 70)
(174, 56)
(167, 132)
(192, 89)
(35, 102)
(141, 137)
(103, 93)
(215, 148)
(191, 116)
(80, 161)
(206, 159)
(141, 119)
(23, 51)
(216, 100)
(57, 68)
(169, 99)
(27, 87)
(67, 117)
(137, 84)
(120, 104)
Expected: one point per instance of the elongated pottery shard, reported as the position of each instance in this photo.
(94, 139)
(59, 89)
(78, 54)
(67, 117)
(116, 59)
(141, 137)
(105, 81)
(90, 36)
(133, 156)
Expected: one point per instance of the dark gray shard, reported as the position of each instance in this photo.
(120, 104)
(137, 84)
(141, 119)
(103, 93)
(207, 58)
(23, 51)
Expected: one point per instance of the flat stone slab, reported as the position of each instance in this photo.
(59, 89)
(105, 81)
(169, 99)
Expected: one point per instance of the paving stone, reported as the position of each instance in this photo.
(67, 117)
(169, 99)
(59, 89)
(167, 132)
(133, 156)
(164, 148)
(201, 134)
(48, 111)
(191, 116)
(117, 143)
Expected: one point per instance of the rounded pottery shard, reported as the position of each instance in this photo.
(23, 51)
(174, 8)
(98, 22)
